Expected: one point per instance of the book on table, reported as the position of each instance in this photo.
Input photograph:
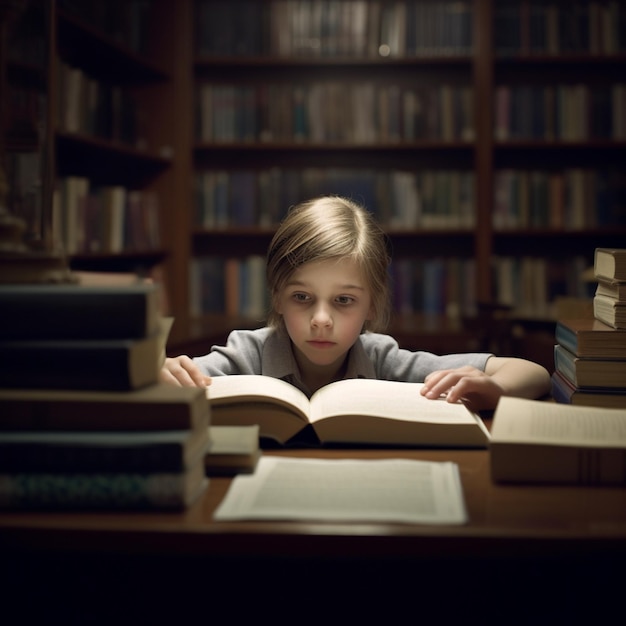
(102, 490)
(74, 311)
(590, 371)
(545, 442)
(565, 392)
(75, 451)
(155, 407)
(93, 364)
(234, 450)
(355, 411)
(589, 337)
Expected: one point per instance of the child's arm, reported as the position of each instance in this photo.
(183, 372)
(503, 376)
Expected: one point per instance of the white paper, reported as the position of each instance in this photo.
(382, 490)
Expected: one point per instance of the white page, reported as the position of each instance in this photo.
(382, 490)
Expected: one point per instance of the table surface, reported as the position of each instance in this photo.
(504, 520)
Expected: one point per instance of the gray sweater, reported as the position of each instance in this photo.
(268, 351)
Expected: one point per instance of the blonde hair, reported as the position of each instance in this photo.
(325, 228)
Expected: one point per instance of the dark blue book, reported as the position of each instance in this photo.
(72, 311)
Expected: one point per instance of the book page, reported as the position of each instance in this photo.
(381, 490)
(246, 387)
(535, 421)
(386, 398)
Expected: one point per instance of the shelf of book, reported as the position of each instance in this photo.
(373, 91)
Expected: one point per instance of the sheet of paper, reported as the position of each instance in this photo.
(382, 490)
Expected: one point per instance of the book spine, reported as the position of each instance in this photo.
(78, 313)
(564, 364)
(566, 338)
(561, 392)
(75, 365)
(35, 457)
(558, 465)
(93, 491)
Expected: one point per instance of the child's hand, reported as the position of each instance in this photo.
(478, 390)
(182, 371)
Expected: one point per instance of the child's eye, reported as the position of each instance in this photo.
(344, 300)
(300, 297)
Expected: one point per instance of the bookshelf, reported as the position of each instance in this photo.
(412, 97)
(247, 107)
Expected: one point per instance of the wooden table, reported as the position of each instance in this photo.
(544, 553)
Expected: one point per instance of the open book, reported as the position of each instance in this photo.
(543, 442)
(355, 411)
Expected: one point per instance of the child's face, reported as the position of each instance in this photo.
(324, 306)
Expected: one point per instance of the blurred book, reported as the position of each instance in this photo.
(234, 450)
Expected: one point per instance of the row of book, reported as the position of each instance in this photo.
(104, 219)
(441, 286)
(532, 285)
(561, 112)
(570, 199)
(590, 353)
(554, 27)
(325, 28)
(95, 108)
(334, 112)
(228, 286)
(400, 200)
(123, 22)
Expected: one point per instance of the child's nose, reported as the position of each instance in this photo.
(321, 316)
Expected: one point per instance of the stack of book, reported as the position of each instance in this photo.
(84, 422)
(609, 303)
(590, 354)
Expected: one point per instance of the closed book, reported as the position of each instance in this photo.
(107, 490)
(58, 452)
(533, 441)
(612, 289)
(610, 311)
(103, 364)
(564, 392)
(155, 407)
(590, 337)
(78, 311)
(610, 263)
(590, 372)
(234, 450)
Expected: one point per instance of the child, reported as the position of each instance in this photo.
(327, 274)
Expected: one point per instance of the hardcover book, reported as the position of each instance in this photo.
(565, 392)
(610, 263)
(610, 311)
(96, 364)
(107, 490)
(588, 337)
(79, 312)
(590, 372)
(58, 452)
(356, 411)
(155, 407)
(234, 450)
(544, 442)
(612, 289)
